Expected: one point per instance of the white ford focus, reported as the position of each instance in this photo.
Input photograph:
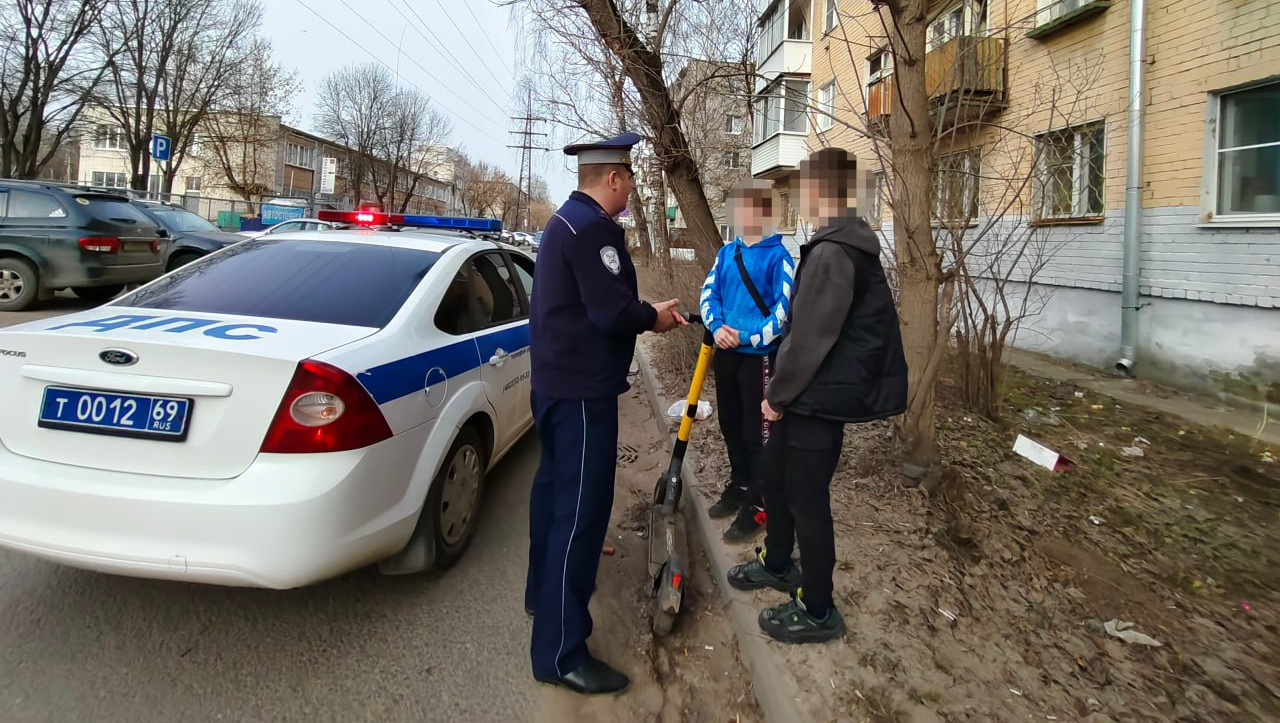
(278, 413)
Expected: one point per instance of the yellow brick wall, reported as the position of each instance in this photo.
(1194, 47)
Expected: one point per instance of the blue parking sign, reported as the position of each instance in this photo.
(160, 146)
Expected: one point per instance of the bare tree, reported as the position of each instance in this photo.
(174, 60)
(47, 69)
(352, 111)
(406, 147)
(483, 190)
(238, 139)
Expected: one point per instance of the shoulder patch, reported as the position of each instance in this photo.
(609, 255)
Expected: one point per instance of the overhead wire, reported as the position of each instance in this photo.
(439, 45)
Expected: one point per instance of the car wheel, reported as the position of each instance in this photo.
(19, 284)
(97, 294)
(181, 260)
(454, 501)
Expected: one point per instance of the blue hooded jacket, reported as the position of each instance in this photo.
(726, 300)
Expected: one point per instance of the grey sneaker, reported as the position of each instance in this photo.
(755, 576)
(790, 622)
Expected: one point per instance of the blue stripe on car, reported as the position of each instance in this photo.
(393, 380)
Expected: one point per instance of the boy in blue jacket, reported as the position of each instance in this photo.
(745, 303)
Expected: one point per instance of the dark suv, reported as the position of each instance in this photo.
(55, 237)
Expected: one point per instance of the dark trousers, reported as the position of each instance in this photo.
(568, 519)
(740, 383)
(798, 464)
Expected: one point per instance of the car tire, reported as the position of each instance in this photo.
(454, 500)
(19, 284)
(97, 294)
(181, 260)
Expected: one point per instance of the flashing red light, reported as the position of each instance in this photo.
(676, 579)
(361, 218)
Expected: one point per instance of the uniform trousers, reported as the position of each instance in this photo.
(569, 511)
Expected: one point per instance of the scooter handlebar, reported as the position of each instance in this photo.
(692, 317)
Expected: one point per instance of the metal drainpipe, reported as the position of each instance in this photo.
(1133, 190)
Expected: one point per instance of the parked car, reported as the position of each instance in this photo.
(279, 413)
(522, 238)
(56, 236)
(293, 224)
(536, 242)
(190, 235)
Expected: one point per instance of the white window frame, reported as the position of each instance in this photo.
(734, 124)
(109, 137)
(826, 106)
(1081, 159)
(296, 154)
(724, 233)
(1210, 179)
(155, 184)
(772, 108)
(732, 160)
(104, 179)
(831, 17)
(878, 199)
(970, 23)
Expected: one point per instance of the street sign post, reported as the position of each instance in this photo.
(160, 147)
(328, 172)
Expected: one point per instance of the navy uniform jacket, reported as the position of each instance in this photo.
(585, 312)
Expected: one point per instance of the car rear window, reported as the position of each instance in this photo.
(113, 210)
(320, 281)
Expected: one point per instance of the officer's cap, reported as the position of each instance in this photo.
(611, 150)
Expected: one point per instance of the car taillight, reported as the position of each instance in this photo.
(324, 410)
(101, 244)
(155, 246)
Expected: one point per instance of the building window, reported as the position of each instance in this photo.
(1247, 162)
(787, 21)
(879, 66)
(109, 138)
(782, 107)
(296, 154)
(826, 106)
(108, 179)
(732, 160)
(193, 183)
(1070, 171)
(878, 202)
(832, 16)
(724, 233)
(955, 197)
(966, 18)
(155, 185)
(733, 124)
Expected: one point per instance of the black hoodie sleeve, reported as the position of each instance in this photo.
(822, 301)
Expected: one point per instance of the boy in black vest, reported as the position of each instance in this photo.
(841, 363)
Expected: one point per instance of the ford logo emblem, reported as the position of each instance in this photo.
(119, 357)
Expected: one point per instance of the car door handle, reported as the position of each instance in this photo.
(498, 359)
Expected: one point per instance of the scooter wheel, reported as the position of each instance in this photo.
(663, 622)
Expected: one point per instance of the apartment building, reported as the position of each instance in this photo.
(1030, 115)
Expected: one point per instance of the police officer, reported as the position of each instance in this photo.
(585, 317)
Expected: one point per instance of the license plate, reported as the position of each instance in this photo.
(123, 415)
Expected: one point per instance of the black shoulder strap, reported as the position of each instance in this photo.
(746, 279)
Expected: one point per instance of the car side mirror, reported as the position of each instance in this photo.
(162, 233)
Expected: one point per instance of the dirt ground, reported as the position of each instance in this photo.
(987, 599)
(694, 674)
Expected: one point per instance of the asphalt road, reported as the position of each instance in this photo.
(81, 646)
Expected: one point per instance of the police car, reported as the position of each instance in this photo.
(277, 413)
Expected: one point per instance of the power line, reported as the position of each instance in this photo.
(412, 60)
(439, 46)
(487, 39)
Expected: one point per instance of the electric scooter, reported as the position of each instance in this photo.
(668, 541)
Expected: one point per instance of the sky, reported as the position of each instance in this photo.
(462, 54)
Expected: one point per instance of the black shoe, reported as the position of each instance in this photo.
(790, 622)
(746, 526)
(594, 677)
(528, 611)
(755, 576)
(731, 500)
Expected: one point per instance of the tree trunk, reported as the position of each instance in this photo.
(919, 264)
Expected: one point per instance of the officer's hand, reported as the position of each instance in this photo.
(727, 338)
(668, 317)
(769, 412)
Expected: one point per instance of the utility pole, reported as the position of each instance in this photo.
(524, 199)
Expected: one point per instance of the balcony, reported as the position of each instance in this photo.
(777, 155)
(791, 57)
(965, 78)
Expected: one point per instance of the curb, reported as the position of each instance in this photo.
(777, 704)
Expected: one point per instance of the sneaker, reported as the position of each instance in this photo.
(731, 500)
(790, 622)
(755, 576)
(746, 527)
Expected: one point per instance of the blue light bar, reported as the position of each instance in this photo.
(491, 225)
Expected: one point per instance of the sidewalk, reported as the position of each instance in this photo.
(1194, 409)
(934, 586)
